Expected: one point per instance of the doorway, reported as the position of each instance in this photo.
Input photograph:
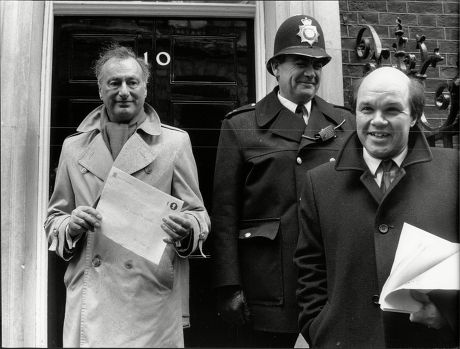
(201, 69)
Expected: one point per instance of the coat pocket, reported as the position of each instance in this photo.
(261, 261)
(164, 272)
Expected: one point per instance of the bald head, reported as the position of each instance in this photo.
(389, 77)
(384, 113)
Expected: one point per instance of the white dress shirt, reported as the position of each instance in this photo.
(292, 107)
(374, 163)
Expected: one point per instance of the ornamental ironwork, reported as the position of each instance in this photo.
(370, 49)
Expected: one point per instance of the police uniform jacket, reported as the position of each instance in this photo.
(348, 240)
(261, 159)
(115, 298)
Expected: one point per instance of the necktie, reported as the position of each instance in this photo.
(389, 172)
(301, 111)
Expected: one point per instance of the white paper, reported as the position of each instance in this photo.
(423, 262)
(131, 213)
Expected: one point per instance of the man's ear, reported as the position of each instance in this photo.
(275, 68)
(414, 121)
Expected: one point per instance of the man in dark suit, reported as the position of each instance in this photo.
(351, 216)
(264, 151)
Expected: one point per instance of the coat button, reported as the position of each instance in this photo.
(299, 160)
(129, 264)
(383, 228)
(247, 235)
(83, 170)
(148, 170)
(375, 299)
(96, 261)
(331, 159)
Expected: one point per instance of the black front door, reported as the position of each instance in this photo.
(201, 69)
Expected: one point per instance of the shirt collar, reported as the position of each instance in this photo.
(291, 105)
(374, 163)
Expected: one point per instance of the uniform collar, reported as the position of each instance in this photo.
(291, 105)
(270, 107)
(151, 125)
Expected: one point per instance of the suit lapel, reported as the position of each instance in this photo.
(135, 155)
(97, 158)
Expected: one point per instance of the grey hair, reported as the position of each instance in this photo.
(115, 50)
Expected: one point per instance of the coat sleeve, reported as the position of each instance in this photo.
(227, 203)
(310, 260)
(61, 204)
(185, 186)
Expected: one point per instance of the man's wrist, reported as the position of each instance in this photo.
(71, 242)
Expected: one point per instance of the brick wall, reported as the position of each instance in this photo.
(438, 20)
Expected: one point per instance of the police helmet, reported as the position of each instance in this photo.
(299, 35)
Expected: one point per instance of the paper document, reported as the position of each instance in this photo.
(131, 214)
(423, 262)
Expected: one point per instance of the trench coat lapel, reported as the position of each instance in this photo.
(97, 158)
(135, 155)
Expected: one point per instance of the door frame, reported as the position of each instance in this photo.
(115, 8)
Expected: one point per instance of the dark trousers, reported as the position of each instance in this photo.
(248, 338)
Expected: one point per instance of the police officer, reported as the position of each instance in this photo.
(263, 153)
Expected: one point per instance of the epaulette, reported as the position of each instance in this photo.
(172, 128)
(242, 109)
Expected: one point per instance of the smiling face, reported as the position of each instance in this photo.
(298, 77)
(122, 89)
(383, 115)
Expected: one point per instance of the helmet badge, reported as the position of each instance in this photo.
(308, 32)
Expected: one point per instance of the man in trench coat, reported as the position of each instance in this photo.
(263, 153)
(116, 298)
(351, 223)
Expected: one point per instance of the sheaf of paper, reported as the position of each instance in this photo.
(423, 262)
(131, 214)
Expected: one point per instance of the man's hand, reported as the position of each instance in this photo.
(429, 315)
(233, 307)
(177, 226)
(82, 219)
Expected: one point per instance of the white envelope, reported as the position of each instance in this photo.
(132, 213)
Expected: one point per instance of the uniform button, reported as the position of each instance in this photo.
(331, 159)
(383, 228)
(83, 170)
(247, 235)
(128, 264)
(299, 160)
(96, 261)
(202, 236)
(375, 299)
(148, 170)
